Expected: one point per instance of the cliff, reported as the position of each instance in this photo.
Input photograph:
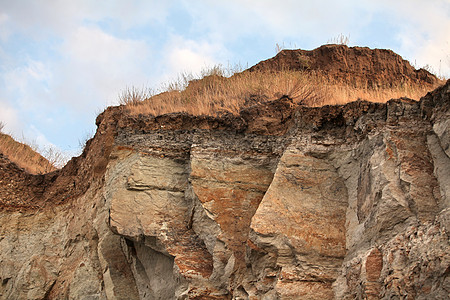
(281, 201)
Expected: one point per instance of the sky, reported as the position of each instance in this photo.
(64, 62)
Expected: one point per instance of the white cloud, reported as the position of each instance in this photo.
(184, 55)
(188, 59)
(92, 45)
(425, 34)
(292, 20)
(10, 118)
(27, 83)
(306, 18)
(100, 64)
(38, 19)
(38, 71)
(39, 139)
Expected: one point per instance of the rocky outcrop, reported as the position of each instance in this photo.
(279, 202)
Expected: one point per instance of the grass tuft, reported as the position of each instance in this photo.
(133, 95)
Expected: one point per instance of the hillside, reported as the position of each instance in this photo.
(24, 156)
(275, 199)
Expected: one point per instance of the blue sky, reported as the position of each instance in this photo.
(63, 62)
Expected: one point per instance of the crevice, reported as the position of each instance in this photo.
(5, 281)
(191, 218)
(49, 290)
(143, 188)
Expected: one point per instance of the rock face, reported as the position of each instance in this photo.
(280, 202)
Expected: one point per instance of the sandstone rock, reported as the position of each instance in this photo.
(301, 222)
(344, 202)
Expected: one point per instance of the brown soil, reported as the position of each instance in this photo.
(354, 65)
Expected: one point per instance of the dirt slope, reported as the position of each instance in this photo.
(355, 65)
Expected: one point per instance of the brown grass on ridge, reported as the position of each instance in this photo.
(215, 94)
(24, 156)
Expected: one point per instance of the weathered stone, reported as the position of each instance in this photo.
(374, 265)
(344, 202)
(230, 188)
(301, 221)
(149, 207)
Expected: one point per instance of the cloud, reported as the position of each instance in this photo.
(39, 139)
(294, 20)
(185, 55)
(85, 76)
(26, 83)
(306, 18)
(425, 32)
(9, 117)
(96, 65)
(58, 17)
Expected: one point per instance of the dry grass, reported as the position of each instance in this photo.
(25, 156)
(340, 39)
(215, 94)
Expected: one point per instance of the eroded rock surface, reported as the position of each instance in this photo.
(337, 202)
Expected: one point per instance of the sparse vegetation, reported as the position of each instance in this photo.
(282, 46)
(82, 142)
(133, 95)
(339, 40)
(28, 158)
(54, 156)
(215, 94)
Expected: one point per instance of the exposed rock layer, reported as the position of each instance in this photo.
(280, 202)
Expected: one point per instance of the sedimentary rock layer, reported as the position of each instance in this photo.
(336, 202)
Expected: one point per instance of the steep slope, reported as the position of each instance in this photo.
(279, 202)
(24, 156)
